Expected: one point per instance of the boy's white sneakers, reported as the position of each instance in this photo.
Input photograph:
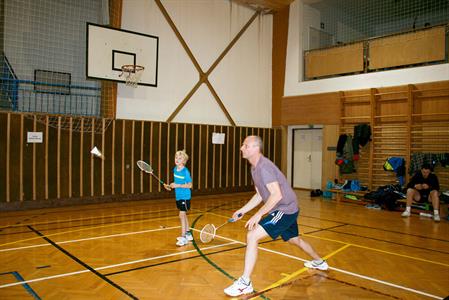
(182, 241)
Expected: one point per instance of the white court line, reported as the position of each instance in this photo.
(88, 239)
(110, 266)
(231, 241)
(342, 271)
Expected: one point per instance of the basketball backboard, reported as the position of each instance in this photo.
(108, 49)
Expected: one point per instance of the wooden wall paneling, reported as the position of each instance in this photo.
(156, 154)
(407, 49)
(334, 61)
(70, 154)
(244, 162)
(13, 164)
(117, 160)
(238, 157)
(199, 142)
(214, 148)
(28, 165)
(206, 158)
(134, 139)
(4, 157)
(34, 161)
(408, 152)
(128, 149)
(311, 109)
(75, 161)
(91, 157)
(108, 149)
(163, 154)
(330, 138)
(21, 158)
(373, 111)
(64, 161)
(147, 135)
(227, 157)
(52, 154)
(87, 158)
(173, 145)
(102, 161)
(141, 155)
(81, 158)
(113, 156)
(191, 135)
(58, 159)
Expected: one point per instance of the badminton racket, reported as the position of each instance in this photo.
(148, 169)
(209, 231)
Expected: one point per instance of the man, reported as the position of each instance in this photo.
(424, 186)
(281, 210)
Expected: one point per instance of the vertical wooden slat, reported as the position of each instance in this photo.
(221, 161)
(409, 130)
(167, 178)
(34, 159)
(159, 152)
(192, 154)
(8, 141)
(372, 120)
(70, 155)
(234, 148)
(227, 156)
(207, 157)
(81, 156)
(142, 136)
(151, 153)
(246, 164)
(214, 147)
(92, 144)
(185, 137)
(199, 157)
(103, 129)
(58, 161)
(274, 145)
(123, 155)
(133, 126)
(113, 159)
(21, 160)
(270, 131)
(46, 156)
(240, 160)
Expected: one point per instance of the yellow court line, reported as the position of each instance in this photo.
(88, 228)
(379, 250)
(300, 271)
(89, 218)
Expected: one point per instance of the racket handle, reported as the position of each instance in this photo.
(231, 220)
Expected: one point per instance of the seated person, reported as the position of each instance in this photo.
(423, 186)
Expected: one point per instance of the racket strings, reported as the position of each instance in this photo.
(144, 166)
(207, 234)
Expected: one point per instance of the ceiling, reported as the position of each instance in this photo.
(266, 5)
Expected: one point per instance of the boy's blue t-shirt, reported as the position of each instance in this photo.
(182, 177)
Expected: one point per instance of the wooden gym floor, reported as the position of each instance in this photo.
(127, 250)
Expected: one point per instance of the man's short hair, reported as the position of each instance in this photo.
(258, 141)
(426, 166)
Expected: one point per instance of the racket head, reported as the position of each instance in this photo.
(144, 166)
(207, 234)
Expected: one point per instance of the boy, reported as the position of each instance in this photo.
(182, 185)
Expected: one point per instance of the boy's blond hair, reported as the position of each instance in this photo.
(183, 154)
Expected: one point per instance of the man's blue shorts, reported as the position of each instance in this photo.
(278, 223)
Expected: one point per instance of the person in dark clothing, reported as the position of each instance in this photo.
(423, 186)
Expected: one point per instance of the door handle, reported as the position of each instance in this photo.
(309, 158)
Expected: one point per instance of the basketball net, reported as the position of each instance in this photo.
(132, 74)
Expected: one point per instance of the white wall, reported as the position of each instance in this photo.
(294, 84)
(242, 80)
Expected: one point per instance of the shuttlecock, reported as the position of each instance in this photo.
(96, 152)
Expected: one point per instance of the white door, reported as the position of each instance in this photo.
(307, 158)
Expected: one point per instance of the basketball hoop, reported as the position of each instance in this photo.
(132, 74)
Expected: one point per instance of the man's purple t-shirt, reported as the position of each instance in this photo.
(267, 172)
